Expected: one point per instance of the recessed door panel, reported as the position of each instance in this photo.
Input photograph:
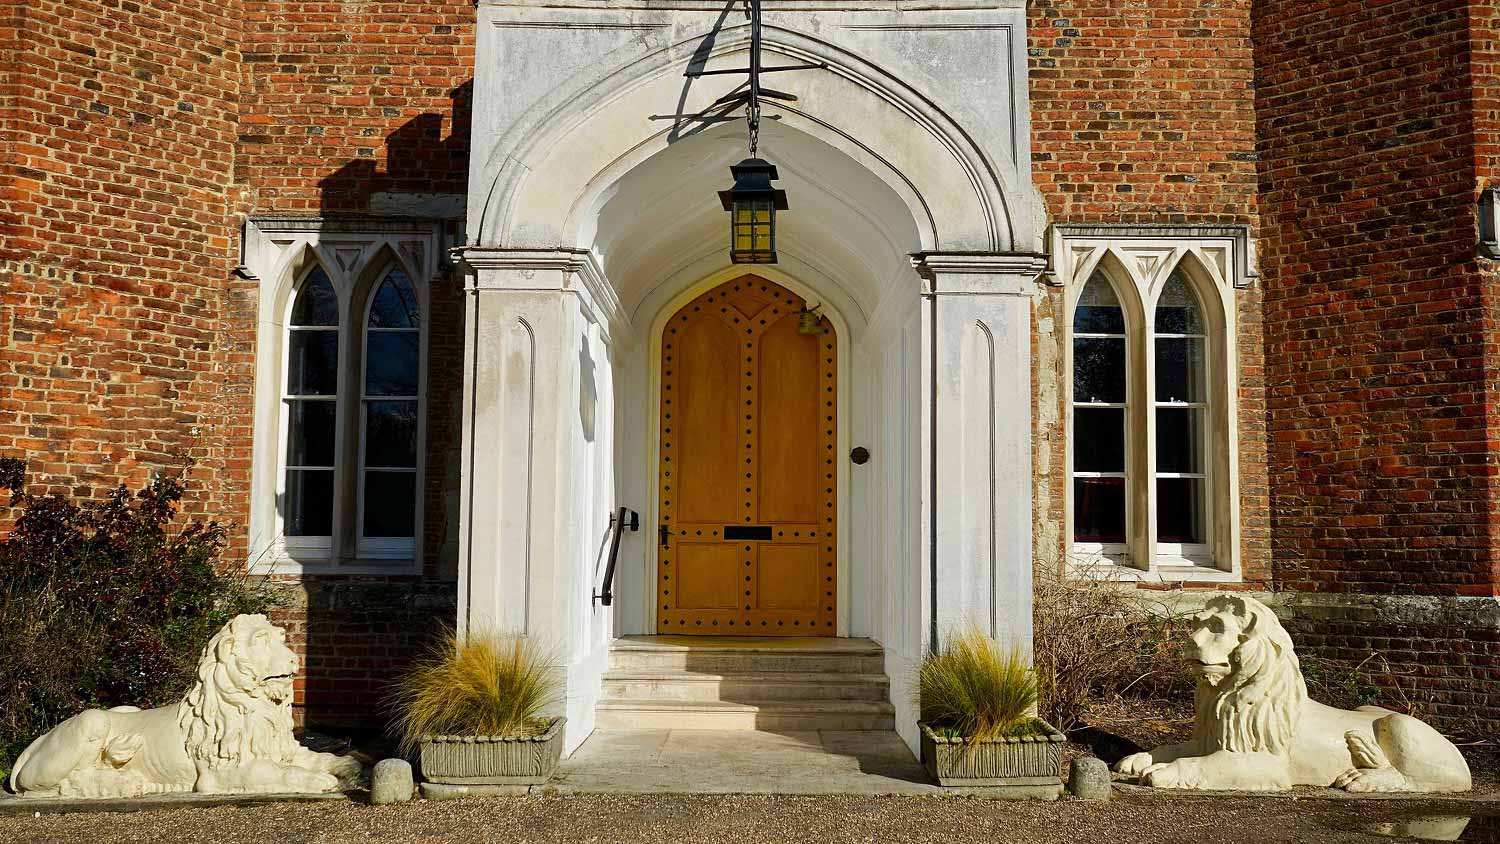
(706, 576)
(788, 419)
(789, 577)
(748, 498)
(700, 398)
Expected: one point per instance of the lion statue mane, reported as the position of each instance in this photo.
(232, 733)
(1255, 728)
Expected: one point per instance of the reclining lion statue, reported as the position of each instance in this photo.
(1256, 729)
(231, 734)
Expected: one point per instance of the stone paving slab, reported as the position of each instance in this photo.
(743, 762)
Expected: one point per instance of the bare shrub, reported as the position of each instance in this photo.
(1098, 641)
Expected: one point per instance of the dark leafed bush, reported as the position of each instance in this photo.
(105, 603)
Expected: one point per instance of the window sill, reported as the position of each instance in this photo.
(1168, 570)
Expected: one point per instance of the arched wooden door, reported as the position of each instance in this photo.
(747, 490)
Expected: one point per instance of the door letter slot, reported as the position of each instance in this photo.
(747, 531)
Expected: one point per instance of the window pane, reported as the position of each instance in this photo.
(391, 368)
(1179, 440)
(390, 503)
(1098, 310)
(1099, 439)
(312, 363)
(1180, 369)
(1179, 510)
(309, 502)
(395, 303)
(391, 433)
(309, 439)
(1099, 369)
(1177, 310)
(1099, 510)
(316, 303)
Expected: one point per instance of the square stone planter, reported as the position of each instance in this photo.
(1027, 766)
(493, 760)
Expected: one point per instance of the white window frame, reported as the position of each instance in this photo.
(356, 253)
(1138, 260)
(318, 548)
(1116, 553)
(387, 547)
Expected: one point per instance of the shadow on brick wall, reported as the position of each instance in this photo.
(418, 160)
(355, 635)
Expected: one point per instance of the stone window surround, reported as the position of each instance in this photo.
(356, 252)
(1218, 260)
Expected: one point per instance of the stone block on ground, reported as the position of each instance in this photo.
(392, 782)
(1089, 779)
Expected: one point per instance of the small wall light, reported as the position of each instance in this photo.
(752, 205)
(809, 321)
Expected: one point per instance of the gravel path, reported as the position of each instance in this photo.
(677, 819)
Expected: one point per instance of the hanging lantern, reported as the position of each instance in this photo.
(752, 205)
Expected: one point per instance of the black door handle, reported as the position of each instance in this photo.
(665, 533)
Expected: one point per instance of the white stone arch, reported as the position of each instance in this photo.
(561, 154)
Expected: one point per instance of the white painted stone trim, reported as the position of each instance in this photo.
(278, 251)
(1228, 250)
(1138, 260)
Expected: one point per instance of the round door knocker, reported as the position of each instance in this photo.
(860, 455)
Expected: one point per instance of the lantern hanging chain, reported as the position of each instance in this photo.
(752, 107)
(752, 119)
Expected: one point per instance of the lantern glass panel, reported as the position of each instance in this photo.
(754, 231)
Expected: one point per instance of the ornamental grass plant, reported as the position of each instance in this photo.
(977, 689)
(484, 684)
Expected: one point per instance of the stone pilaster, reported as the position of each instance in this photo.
(976, 348)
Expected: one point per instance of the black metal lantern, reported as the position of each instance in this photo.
(752, 205)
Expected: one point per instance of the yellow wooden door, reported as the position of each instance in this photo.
(747, 540)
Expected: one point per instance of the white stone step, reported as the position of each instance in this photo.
(656, 714)
(746, 656)
(777, 685)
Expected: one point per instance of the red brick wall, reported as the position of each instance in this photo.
(1377, 321)
(1431, 657)
(342, 102)
(115, 240)
(1144, 112)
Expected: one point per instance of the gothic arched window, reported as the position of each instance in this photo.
(311, 398)
(1180, 337)
(1151, 443)
(349, 477)
(1100, 417)
(390, 400)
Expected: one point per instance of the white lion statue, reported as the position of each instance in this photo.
(1256, 729)
(231, 734)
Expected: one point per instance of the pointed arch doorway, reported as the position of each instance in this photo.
(747, 477)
